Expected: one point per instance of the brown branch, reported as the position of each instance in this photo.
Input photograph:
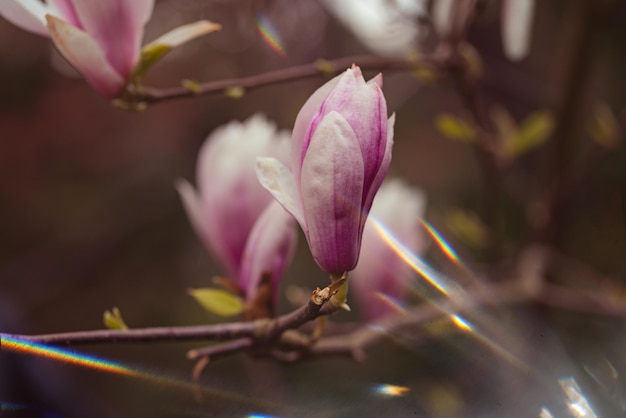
(216, 350)
(157, 334)
(568, 117)
(262, 329)
(279, 339)
(315, 69)
(355, 343)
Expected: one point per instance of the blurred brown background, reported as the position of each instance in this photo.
(89, 218)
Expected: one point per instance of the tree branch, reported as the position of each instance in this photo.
(262, 329)
(217, 350)
(315, 69)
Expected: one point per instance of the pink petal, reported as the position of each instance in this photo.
(29, 15)
(66, 11)
(85, 55)
(366, 112)
(384, 166)
(303, 120)
(331, 190)
(377, 79)
(269, 250)
(381, 269)
(231, 196)
(117, 26)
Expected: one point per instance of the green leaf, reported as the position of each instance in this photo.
(533, 132)
(218, 301)
(113, 319)
(604, 128)
(467, 227)
(235, 92)
(150, 55)
(472, 59)
(455, 128)
(325, 67)
(191, 85)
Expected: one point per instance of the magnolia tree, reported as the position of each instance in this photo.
(258, 189)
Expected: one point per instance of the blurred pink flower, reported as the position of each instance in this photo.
(341, 150)
(269, 250)
(381, 271)
(229, 200)
(100, 38)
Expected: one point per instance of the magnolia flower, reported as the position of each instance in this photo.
(341, 150)
(386, 27)
(100, 38)
(268, 252)
(381, 273)
(229, 199)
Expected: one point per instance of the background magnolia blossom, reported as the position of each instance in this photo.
(101, 39)
(229, 199)
(381, 280)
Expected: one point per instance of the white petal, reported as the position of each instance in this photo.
(385, 27)
(279, 181)
(443, 16)
(185, 33)
(517, 20)
(193, 207)
(29, 15)
(82, 51)
(117, 26)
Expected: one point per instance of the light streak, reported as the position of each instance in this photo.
(446, 286)
(461, 323)
(270, 34)
(392, 303)
(66, 356)
(391, 390)
(441, 242)
(576, 402)
(436, 279)
(10, 343)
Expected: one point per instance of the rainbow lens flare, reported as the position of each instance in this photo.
(269, 33)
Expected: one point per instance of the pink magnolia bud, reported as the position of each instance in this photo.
(382, 274)
(341, 150)
(100, 38)
(229, 199)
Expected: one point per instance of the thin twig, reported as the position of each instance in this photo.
(157, 334)
(355, 343)
(315, 69)
(259, 329)
(216, 350)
